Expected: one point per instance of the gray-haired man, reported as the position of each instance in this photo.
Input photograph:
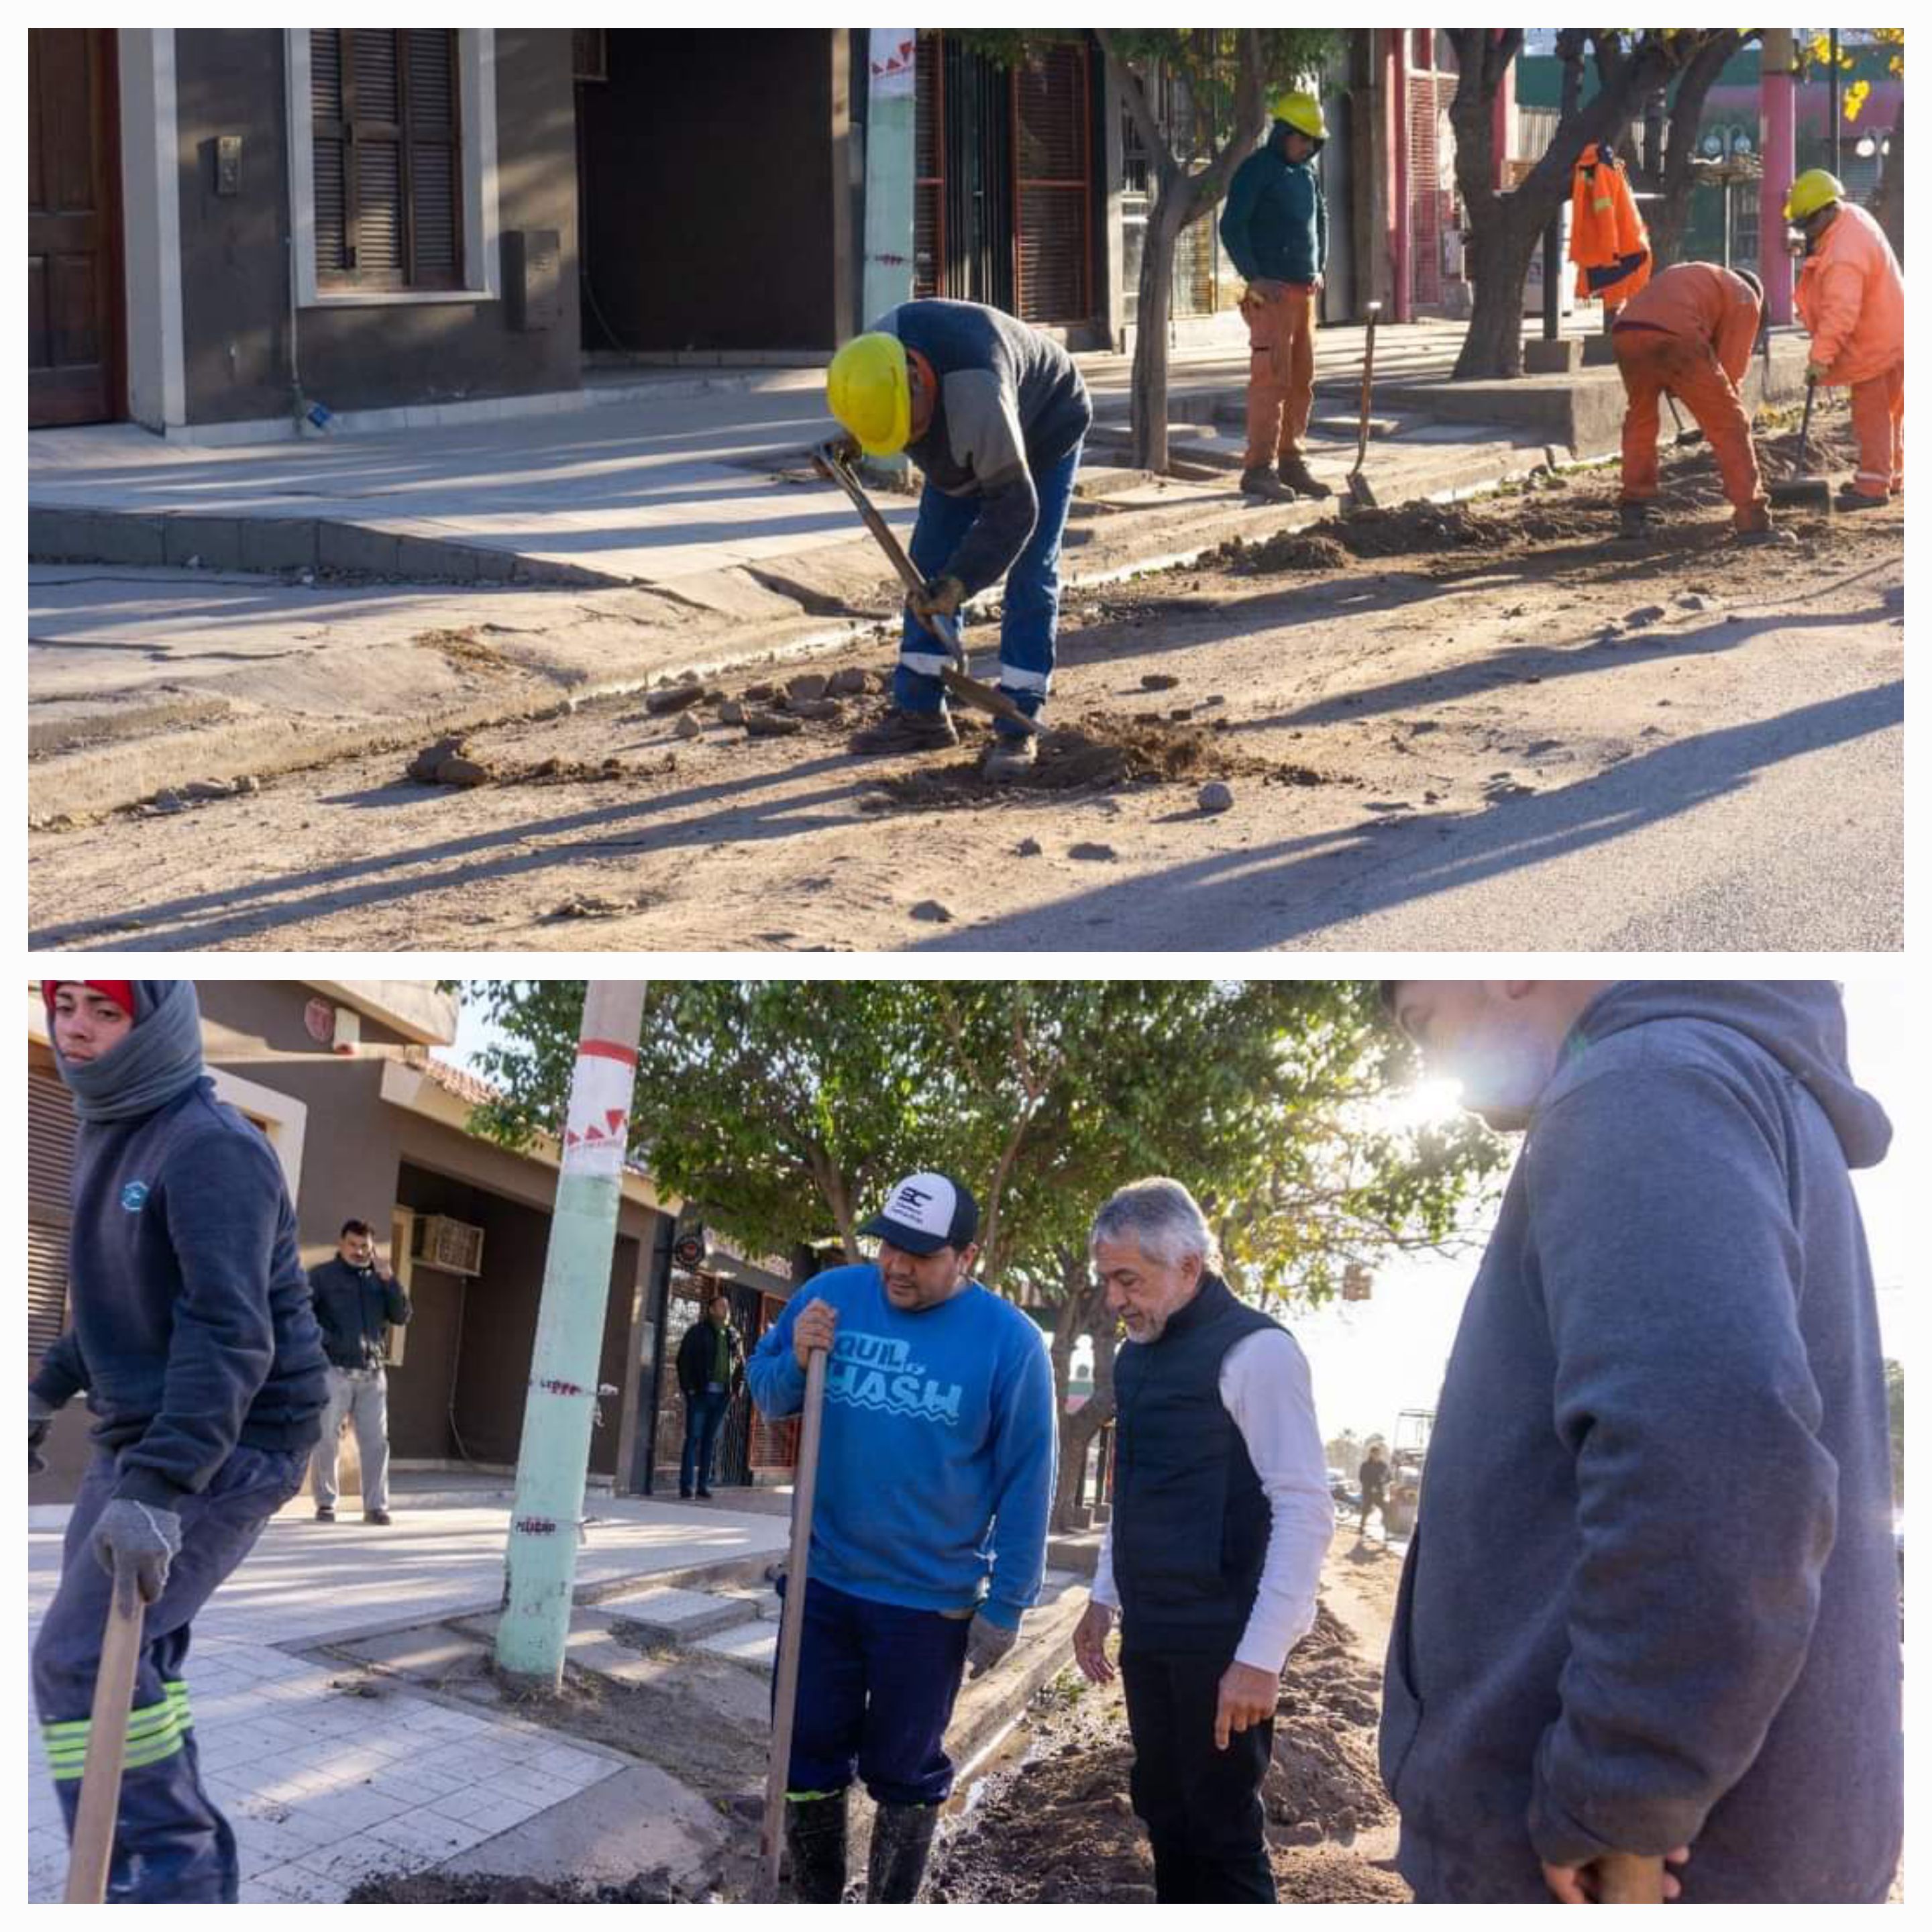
(1221, 1517)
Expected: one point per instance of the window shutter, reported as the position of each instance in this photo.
(1050, 117)
(929, 272)
(331, 152)
(50, 1136)
(435, 199)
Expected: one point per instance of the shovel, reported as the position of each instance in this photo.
(830, 459)
(1360, 493)
(1806, 491)
(92, 1850)
(791, 1631)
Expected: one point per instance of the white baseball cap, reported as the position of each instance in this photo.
(925, 1212)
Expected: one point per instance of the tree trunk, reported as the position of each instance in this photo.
(1500, 269)
(1083, 1311)
(1165, 219)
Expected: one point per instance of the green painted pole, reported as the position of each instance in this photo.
(555, 1451)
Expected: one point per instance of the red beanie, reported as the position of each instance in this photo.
(121, 992)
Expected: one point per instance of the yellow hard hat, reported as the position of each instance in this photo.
(1303, 112)
(871, 394)
(1814, 189)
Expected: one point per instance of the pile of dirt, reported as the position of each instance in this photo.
(433, 1888)
(1419, 527)
(1834, 452)
(1059, 1826)
(1287, 549)
(1102, 751)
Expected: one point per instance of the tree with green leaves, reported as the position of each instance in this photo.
(1661, 164)
(1506, 228)
(782, 1110)
(1226, 76)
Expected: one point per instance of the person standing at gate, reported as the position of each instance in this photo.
(994, 413)
(357, 1301)
(710, 1370)
(1275, 228)
(195, 1338)
(1371, 1479)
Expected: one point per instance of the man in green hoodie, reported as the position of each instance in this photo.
(1275, 228)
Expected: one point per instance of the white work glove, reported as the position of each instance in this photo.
(986, 1643)
(139, 1537)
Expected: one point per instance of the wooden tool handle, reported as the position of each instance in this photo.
(1624, 1878)
(92, 1850)
(791, 1628)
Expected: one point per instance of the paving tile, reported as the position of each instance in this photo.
(351, 1859)
(430, 1834)
(577, 1767)
(299, 1884)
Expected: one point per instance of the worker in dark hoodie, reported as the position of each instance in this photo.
(1669, 1666)
(194, 1336)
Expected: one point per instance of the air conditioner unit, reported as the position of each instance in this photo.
(455, 1247)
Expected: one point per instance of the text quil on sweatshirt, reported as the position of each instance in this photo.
(1651, 1600)
(936, 1463)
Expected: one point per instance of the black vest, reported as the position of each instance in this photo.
(1191, 1520)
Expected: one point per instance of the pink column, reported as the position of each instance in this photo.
(1778, 142)
(1404, 287)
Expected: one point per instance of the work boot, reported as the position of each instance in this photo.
(381, 1518)
(904, 731)
(901, 1843)
(1849, 498)
(325, 1512)
(1295, 475)
(1263, 483)
(1011, 757)
(815, 1830)
(1634, 519)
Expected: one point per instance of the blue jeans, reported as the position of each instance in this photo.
(1031, 620)
(704, 1415)
(170, 1842)
(876, 1685)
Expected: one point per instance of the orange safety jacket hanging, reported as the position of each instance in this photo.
(1608, 240)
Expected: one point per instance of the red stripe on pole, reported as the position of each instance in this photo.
(607, 1049)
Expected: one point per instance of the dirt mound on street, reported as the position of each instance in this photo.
(1059, 1826)
(1102, 751)
(1287, 549)
(431, 1887)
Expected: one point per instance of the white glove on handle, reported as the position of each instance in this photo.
(141, 1537)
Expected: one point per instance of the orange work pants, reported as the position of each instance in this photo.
(1281, 371)
(1654, 364)
(1878, 421)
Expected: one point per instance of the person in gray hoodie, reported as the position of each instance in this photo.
(1649, 1610)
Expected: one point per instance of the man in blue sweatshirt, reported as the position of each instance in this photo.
(994, 413)
(1275, 228)
(928, 1538)
(195, 1340)
(1648, 1630)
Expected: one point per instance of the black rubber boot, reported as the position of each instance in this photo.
(1850, 498)
(1295, 475)
(1264, 484)
(902, 730)
(815, 1842)
(901, 1843)
(1634, 519)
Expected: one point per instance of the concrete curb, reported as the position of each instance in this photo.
(58, 534)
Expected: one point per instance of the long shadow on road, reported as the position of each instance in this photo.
(1292, 889)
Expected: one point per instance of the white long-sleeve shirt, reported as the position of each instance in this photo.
(1265, 1386)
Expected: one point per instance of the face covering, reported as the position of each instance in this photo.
(157, 1061)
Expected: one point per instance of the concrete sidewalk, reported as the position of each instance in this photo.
(324, 1784)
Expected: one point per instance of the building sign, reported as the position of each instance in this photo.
(894, 55)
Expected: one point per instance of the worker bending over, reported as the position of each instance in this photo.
(1688, 334)
(994, 413)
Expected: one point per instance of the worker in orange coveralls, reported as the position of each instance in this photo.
(1608, 240)
(1688, 334)
(1851, 296)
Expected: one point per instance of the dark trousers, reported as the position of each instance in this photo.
(170, 1842)
(1201, 1807)
(703, 1416)
(876, 1685)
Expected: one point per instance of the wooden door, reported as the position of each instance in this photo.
(73, 229)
